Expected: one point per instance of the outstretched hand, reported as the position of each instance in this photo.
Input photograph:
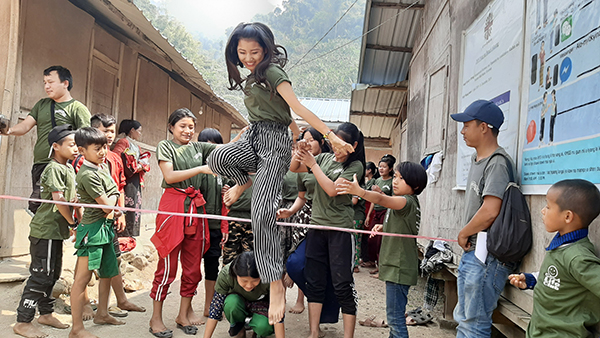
(347, 187)
(518, 280)
(339, 145)
(306, 157)
(377, 228)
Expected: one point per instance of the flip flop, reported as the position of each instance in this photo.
(163, 334)
(188, 329)
(117, 312)
(366, 322)
(419, 319)
(375, 323)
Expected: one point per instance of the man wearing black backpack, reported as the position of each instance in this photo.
(57, 109)
(480, 282)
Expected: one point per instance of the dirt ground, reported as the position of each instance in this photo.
(371, 293)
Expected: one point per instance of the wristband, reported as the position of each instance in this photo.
(327, 134)
(74, 225)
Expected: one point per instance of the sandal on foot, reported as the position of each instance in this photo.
(117, 312)
(188, 329)
(163, 334)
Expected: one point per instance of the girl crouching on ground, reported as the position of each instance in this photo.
(239, 294)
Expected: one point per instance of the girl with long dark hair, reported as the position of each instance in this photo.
(266, 147)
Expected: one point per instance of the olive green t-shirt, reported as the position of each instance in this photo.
(70, 112)
(226, 285)
(334, 211)
(308, 183)
(370, 183)
(92, 182)
(211, 190)
(290, 186)
(48, 222)
(398, 256)
(566, 298)
(183, 157)
(241, 208)
(386, 187)
(264, 106)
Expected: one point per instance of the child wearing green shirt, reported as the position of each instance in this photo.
(399, 262)
(93, 242)
(566, 302)
(49, 227)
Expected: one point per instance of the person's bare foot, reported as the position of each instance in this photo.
(88, 312)
(193, 318)
(28, 330)
(50, 320)
(321, 333)
(81, 334)
(376, 276)
(298, 308)
(107, 320)
(129, 306)
(234, 193)
(277, 302)
(356, 269)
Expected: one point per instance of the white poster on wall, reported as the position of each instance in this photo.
(491, 70)
(562, 135)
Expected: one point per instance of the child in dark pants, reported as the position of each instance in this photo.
(327, 250)
(399, 260)
(49, 227)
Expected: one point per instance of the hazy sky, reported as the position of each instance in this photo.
(212, 17)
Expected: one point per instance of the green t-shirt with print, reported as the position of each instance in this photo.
(308, 183)
(92, 182)
(227, 285)
(70, 112)
(566, 298)
(334, 211)
(48, 222)
(290, 186)
(398, 256)
(386, 187)
(184, 157)
(263, 105)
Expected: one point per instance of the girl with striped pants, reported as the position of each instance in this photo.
(266, 147)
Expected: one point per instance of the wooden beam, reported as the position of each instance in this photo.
(390, 48)
(395, 88)
(377, 142)
(392, 5)
(374, 114)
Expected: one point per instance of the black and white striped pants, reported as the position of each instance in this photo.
(265, 148)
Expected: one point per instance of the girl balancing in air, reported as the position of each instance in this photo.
(266, 147)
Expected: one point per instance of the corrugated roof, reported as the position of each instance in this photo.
(383, 68)
(328, 110)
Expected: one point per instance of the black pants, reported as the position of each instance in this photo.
(211, 257)
(36, 174)
(45, 269)
(333, 251)
(542, 122)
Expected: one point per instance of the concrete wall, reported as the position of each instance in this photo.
(438, 44)
(110, 74)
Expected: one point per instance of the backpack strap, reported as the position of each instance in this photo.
(52, 106)
(511, 175)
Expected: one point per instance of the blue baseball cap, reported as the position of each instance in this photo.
(482, 110)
